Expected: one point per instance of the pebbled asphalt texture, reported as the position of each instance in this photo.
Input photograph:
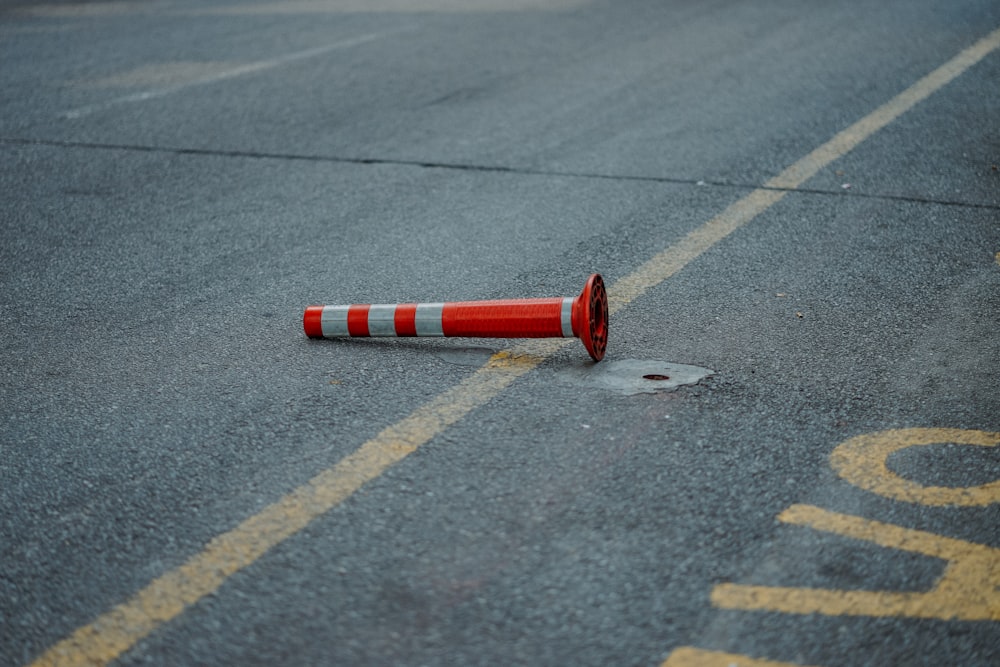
(180, 179)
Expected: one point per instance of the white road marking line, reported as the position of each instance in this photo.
(242, 70)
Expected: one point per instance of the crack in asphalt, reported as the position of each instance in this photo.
(458, 166)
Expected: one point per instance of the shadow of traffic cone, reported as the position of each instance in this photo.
(584, 317)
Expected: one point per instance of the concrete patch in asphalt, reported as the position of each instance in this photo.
(636, 376)
(471, 355)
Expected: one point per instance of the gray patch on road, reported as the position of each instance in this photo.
(472, 355)
(636, 376)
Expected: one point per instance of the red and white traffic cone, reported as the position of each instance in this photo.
(584, 317)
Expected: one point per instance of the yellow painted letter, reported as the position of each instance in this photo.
(861, 461)
(969, 589)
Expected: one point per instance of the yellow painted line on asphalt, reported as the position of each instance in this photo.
(167, 596)
(968, 590)
(674, 258)
(114, 632)
(687, 656)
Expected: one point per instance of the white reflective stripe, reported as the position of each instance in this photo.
(382, 320)
(566, 317)
(428, 319)
(334, 321)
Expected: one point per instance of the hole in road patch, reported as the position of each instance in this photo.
(655, 376)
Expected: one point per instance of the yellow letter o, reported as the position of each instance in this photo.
(861, 461)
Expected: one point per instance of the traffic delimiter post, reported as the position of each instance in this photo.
(584, 317)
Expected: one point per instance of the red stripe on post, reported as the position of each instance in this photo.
(312, 321)
(527, 318)
(357, 319)
(406, 319)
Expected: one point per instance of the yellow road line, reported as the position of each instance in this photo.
(688, 656)
(676, 257)
(166, 597)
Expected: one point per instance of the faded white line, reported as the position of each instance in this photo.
(241, 70)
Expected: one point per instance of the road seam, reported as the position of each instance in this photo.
(168, 596)
(458, 166)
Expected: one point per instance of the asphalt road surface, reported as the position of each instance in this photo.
(800, 200)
